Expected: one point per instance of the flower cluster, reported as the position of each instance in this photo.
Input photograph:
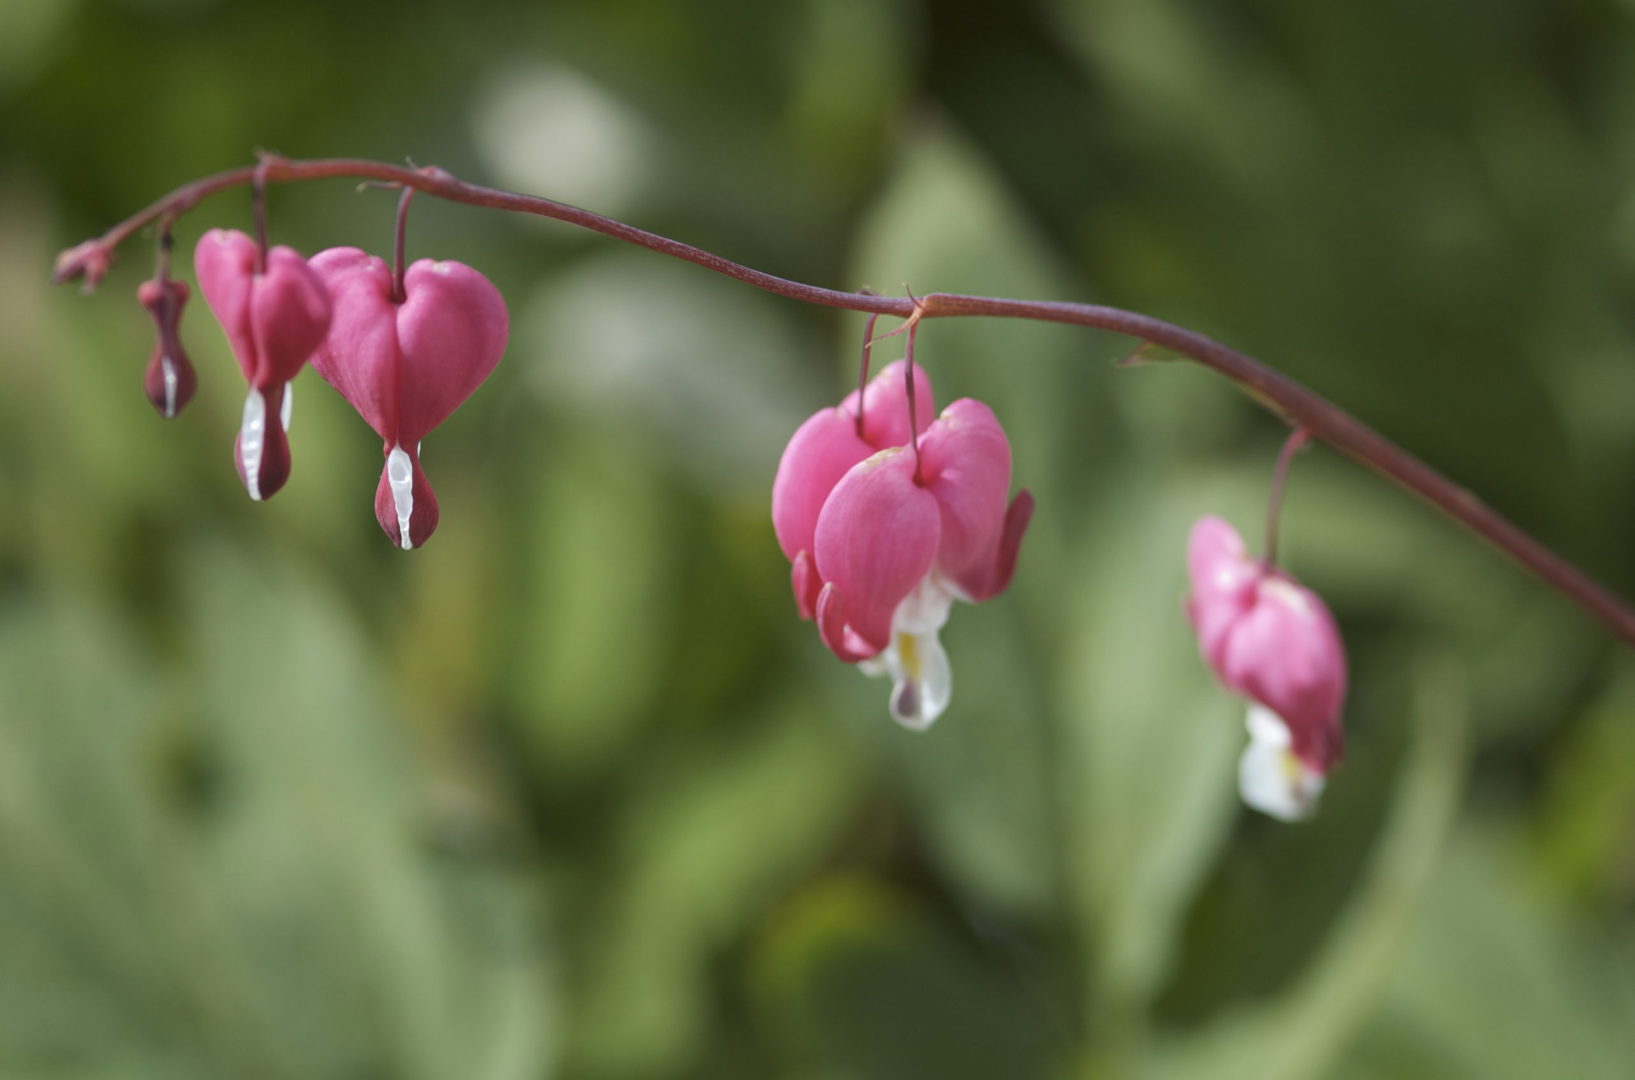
(886, 515)
(886, 520)
(405, 352)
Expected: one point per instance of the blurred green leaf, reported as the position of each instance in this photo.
(1148, 760)
(703, 846)
(1305, 1032)
(875, 989)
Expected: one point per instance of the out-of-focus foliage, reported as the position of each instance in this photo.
(571, 791)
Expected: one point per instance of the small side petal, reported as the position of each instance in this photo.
(836, 634)
(805, 583)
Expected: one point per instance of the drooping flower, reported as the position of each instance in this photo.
(406, 363)
(1275, 643)
(881, 541)
(274, 318)
(169, 380)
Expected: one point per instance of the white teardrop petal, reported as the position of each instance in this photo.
(400, 475)
(1271, 778)
(251, 433)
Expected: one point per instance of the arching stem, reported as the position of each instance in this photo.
(1294, 402)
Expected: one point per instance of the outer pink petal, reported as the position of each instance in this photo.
(967, 466)
(360, 357)
(885, 405)
(1216, 559)
(821, 451)
(1003, 566)
(289, 317)
(1223, 581)
(453, 327)
(875, 539)
(1285, 652)
(224, 261)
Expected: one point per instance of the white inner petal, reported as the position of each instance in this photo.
(1271, 778)
(251, 434)
(400, 475)
(289, 403)
(167, 368)
(922, 681)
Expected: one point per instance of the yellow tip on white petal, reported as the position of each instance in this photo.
(1271, 778)
(921, 679)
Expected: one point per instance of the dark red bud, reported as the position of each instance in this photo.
(170, 380)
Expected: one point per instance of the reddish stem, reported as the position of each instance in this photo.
(1280, 475)
(913, 328)
(399, 289)
(1283, 395)
(863, 371)
(258, 208)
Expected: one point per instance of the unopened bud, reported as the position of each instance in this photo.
(169, 380)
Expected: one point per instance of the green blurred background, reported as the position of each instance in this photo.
(571, 792)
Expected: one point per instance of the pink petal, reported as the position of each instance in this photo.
(821, 451)
(1003, 566)
(1223, 579)
(875, 539)
(841, 639)
(224, 262)
(967, 466)
(453, 328)
(360, 356)
(289, 316)
(1216, 559)
(804, 581)
(885, 406)
(169, 380)
(1285, 652)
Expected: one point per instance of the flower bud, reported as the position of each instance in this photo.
(169, 380)
(274, 318)
(405, 363)
(1274, 642)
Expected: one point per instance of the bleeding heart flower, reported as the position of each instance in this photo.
(169, 380)
(274, 319)
(1275, 643)
(406, 363)
(880, 546)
